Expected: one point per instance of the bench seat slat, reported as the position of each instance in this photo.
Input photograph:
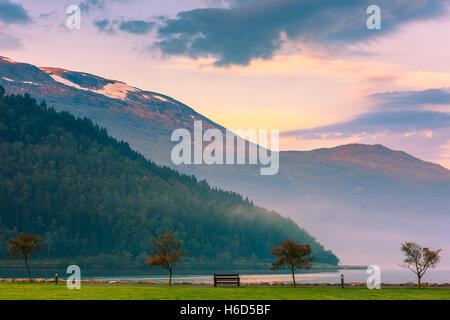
(226, 279)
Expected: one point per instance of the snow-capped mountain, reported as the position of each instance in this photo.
(355, 198)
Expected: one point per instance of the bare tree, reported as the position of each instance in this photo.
(419, 259)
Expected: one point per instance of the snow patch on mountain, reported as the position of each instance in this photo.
(26, 82)
(66, 82)
(160, 98)
(31, 82)
(117, 90)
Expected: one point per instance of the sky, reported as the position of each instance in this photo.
(311, 69)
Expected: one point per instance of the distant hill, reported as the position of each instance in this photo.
(361, 200)
(92, 196)
(352, 197)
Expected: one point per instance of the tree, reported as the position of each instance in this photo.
(26, 245)
(294, 256)
(168, 252)
(419, 259)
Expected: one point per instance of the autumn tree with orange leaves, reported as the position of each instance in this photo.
(168, 252)
(26, 245)
(292, 255)
(419, 259)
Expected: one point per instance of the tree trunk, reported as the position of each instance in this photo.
(293, 277)
(418, 281)
(170, 278)
(28, 269)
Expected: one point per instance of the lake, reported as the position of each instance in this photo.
(247, 275)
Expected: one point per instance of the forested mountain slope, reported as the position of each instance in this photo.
(88, 194)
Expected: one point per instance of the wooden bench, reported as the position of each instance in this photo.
(229, 279)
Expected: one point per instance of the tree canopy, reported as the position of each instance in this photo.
(167, 253)
(25, 245)
(292, 255)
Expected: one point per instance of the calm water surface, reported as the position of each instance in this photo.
(250, 276)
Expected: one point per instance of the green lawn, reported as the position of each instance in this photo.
(91, 292)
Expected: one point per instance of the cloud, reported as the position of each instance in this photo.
(89, 5)
(257, 29)
(137, 26)
(47, 14)
(399, 112)
(411, 99)
(377, 122)
(13, 13)
(104, 25)
(227, 3)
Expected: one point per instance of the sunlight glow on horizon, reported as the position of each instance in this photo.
(300, 87)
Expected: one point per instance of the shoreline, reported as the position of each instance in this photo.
(211, 284)
(263, 266)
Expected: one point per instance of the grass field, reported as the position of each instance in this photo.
(28, 291)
